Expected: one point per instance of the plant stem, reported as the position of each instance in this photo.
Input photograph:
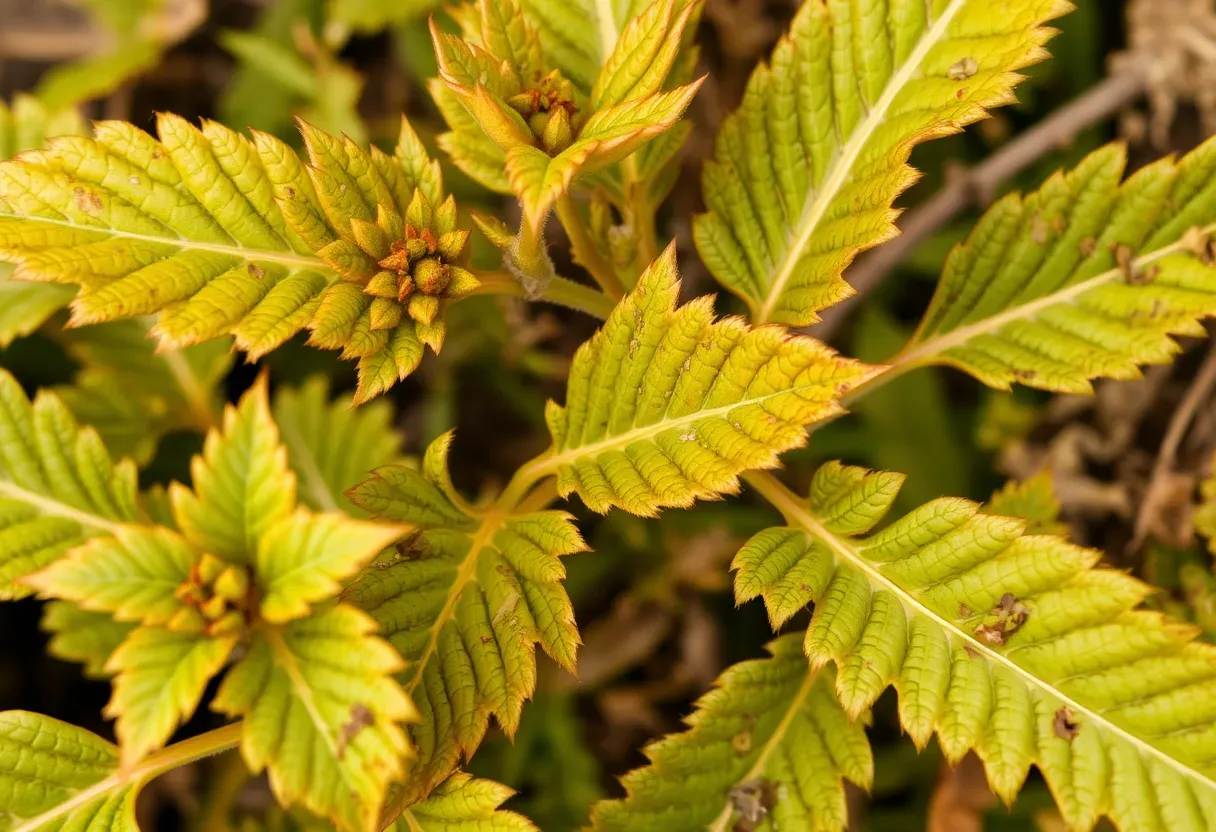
(560, 291)
(585, 252)
(175, 756)
(187, 751)
(641, 216)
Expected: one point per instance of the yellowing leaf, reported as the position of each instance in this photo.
(608, 136)
(643, 54)
(767, 748)
(464, 804)
(302, 557)
(1011, 644)
(806, 171)
(160, 678)
(132, 575)
(1085, 278)
(223, 235)
(58, 486)
(665, 405)
(322, 714)
(465, 606)
(241, 483)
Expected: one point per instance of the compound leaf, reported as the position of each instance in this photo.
(769, 748)
(806, 171)
(466, 606)
(224, 235)
(665, 405)
(1085, 278)
(322, 714)
(1011, 644)
(58, 486)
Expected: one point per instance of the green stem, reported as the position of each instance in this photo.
(560, 291)
(585, 252)
(641, 215)
(154, 765)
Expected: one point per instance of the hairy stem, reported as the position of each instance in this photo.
(560, 291)
(585, 252)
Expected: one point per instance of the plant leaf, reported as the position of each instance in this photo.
(132, 575)
(241, 483)
(58, 486)
(464, 804)
(330, 445)
(84, 636)
(134, 394)
(424, 498)
(56, 776)
(160, 677)
(1013, 645)
(302, 558)
(25, 306)
(466, 606)
(806, 171)
(1085, 278)
(322, 714)
(643, 55)
(608, 137)
(223, 235)
(666, 406)
(769, 742)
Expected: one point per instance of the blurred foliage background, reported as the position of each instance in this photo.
(653, 598)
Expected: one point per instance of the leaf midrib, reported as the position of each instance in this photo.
(791, 507)
(464, 575)
(814, 212)
(757, 769)
(551, 463)
(933, 347)
(56, 508)
(285, 258)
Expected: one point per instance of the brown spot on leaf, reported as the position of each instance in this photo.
(1003, 620)
(1087, 246)
(752, 800)
(1038, 230)
(742, 741)
(255, 270)
(1065, 724)
(964, 611)
(963, 69)
(360, 717)
(970, 651)
(86, 201)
